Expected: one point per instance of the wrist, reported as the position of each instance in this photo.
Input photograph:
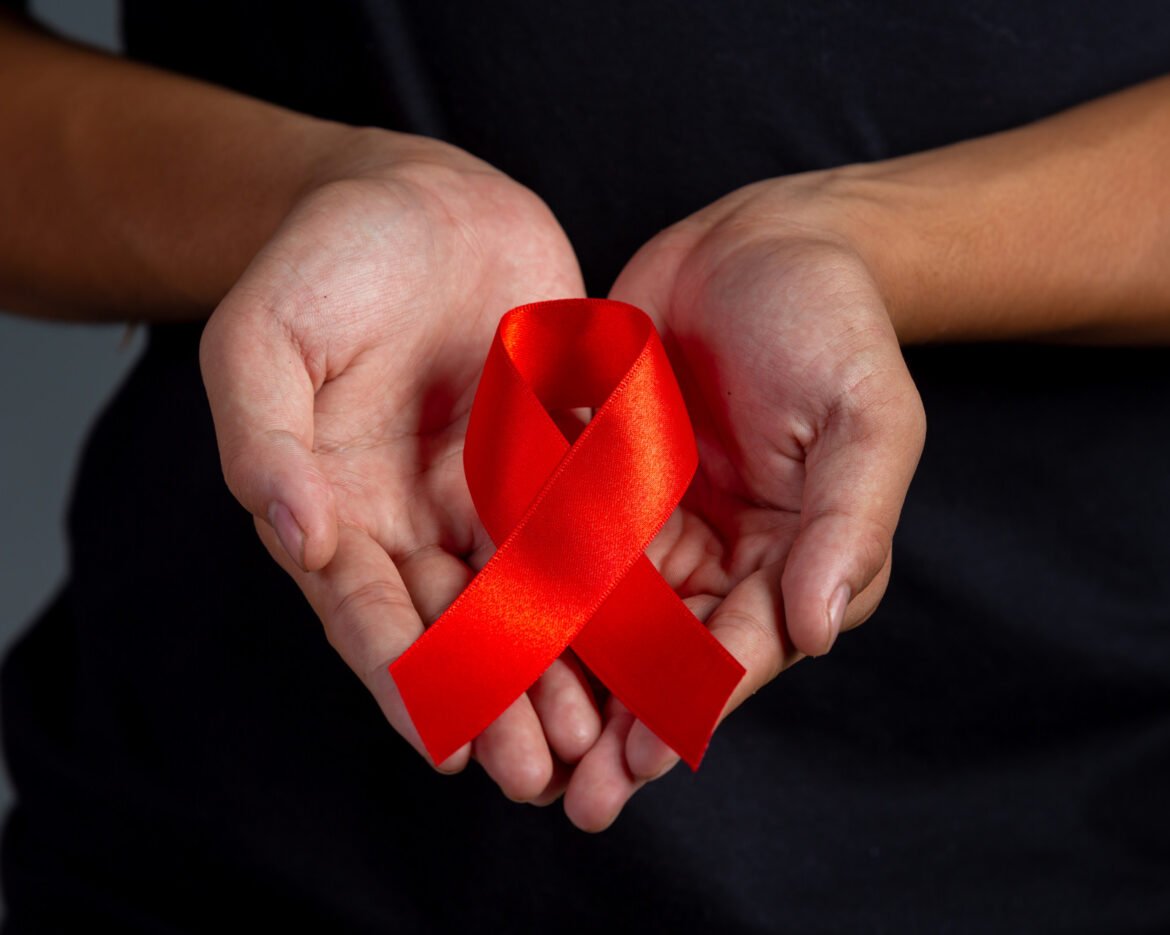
(1055, 230)
(276, 158)
(880, 217)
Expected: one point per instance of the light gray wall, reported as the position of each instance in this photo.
(53, 380)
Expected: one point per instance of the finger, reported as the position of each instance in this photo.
(564, 703)
(513, 751)
(433, 579)
(561, 774)
(261, 395)
(601, 784)
(857, 472)
(368, 618)
(689, 555)
(750, 624)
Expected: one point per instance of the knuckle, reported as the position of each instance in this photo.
(235, 462)
(761, 641)
(874, 542)
(370, 599)
(867, 536)
(258, 465)
(356, 624)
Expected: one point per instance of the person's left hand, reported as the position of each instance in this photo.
(809, 430)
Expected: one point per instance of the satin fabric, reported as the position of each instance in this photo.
(571, 522)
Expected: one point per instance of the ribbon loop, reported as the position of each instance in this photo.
(571, 523)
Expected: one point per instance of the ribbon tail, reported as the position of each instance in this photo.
(660, 661)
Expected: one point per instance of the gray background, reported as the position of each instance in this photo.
(54, 378)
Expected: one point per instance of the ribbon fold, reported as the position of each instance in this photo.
(571, 522)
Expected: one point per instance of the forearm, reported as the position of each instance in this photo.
(1060, 229)
(127, 192)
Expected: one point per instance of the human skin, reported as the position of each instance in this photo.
(357, 276)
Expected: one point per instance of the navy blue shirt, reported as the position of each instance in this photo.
(990, 753)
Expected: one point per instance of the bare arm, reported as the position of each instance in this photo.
(128, 191)
(1058, 229)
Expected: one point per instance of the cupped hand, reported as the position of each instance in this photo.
(340, 371)
(809, 430)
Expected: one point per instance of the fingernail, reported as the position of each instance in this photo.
(287, 530)
(837, 604)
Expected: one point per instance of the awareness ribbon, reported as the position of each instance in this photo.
(571, 522)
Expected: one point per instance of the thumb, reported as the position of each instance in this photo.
(857, 472)
(262, 396)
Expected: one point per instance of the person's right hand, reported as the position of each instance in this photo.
(340, 371)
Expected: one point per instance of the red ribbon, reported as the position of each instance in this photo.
(571, 524)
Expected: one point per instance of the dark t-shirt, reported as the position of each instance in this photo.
(990, 753)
